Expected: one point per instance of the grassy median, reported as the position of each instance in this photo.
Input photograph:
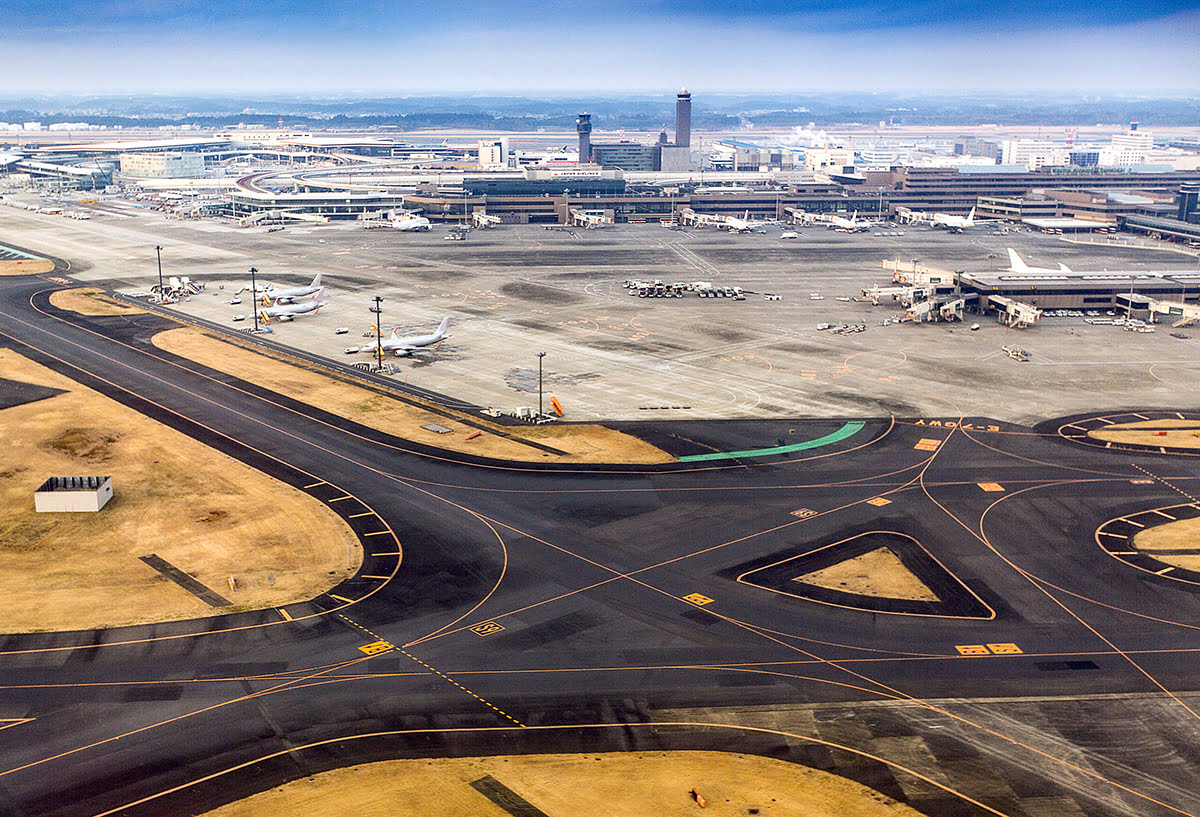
(635, 783)
(200, 510)
(320, 389)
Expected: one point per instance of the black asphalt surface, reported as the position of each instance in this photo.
(544, 609)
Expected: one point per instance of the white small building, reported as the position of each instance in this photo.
(73, 494)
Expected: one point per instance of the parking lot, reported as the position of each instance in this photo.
(514, 291)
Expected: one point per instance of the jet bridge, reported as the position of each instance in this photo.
(589, 219)
(482, 220)
(1013, 313)
(1184, 313)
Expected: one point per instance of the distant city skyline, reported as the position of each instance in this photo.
(455, 46)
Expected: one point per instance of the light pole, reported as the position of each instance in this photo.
(254, 298)
(378, 310)
(158, 252)
(540, 356)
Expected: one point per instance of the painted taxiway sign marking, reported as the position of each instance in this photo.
(698, 599)
(990, 486)
(487, 628)
(972, 649)
(927, 445)
(879, 502)
(1004, 649)
(804, 513)
(376, 647)
(988, 649)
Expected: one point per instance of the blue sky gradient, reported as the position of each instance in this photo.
(372, 46)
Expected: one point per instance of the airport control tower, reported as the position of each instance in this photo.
(584, 127)
(683, 119)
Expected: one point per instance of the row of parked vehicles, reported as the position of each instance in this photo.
(661, 289)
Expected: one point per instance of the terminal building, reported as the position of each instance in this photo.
(162, 165)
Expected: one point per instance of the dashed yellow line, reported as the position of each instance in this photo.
(357, 515)
(387, 553)
(340, 498)
(366, 576)
(342, 599)
(314, 485)
(460, 686)
(377, 533)
(286, 615)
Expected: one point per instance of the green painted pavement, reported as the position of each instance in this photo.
(848, 430)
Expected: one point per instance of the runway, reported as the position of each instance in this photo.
(506, 608)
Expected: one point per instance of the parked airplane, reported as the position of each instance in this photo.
(409, 222)
(1017, 264)
(278, 296)
(849, 225)
(412, 344)
(287, 313)
(952, 222)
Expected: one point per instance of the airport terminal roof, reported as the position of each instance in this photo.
(1074, 225)
(135, 145)
(965, 168)
(1005, 281)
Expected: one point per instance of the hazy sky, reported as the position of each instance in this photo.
(372, 46)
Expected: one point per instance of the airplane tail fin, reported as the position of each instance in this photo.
(1063, 267)
(441, 330)
(971, 218)
(1015, 262)
(264, 317)
(317, 281)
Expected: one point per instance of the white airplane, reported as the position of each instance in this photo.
(273, 296)
(409, 222)
(1017, 264)
(737, 225)
(952, 222)
(287, 313)
(849, 225)
(412, 344)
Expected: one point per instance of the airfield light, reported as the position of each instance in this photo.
(254, 298)
(158, 251)
(378, 310)
(540, 356)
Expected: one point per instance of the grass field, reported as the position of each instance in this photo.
(1164, 542)
(879, 573)
(1179, 433)
(583, 443)
(202, 511)
(26, 266)
(91, 301)
(622, 785)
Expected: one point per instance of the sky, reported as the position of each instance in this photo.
(373, 47)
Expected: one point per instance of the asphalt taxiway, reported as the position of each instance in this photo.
(505, 608)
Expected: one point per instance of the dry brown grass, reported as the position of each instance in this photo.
(26, 266)
(879, 573)
(1161, 542)
(1180, 433)
(208, 514)
(91, 301)
(584, 443)
(635, 783)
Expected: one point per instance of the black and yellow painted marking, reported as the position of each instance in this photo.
(973, 650)
(487, 628)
